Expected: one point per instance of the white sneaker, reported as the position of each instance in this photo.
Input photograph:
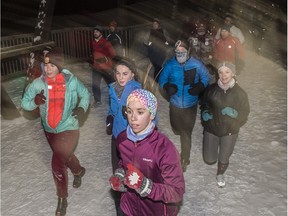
(220, 181)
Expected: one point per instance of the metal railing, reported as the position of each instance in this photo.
(75, 43)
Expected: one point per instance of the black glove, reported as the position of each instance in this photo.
(124, 112)
(79, 113)
(40, 98)
(90, 60)
(196, 89)
(170, 89)
(109, 124)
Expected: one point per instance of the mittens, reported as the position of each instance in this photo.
(116, 181)
(196, 89)
(109, 124)
(170, 89)
(230, 112)
(135, 179)
(40, 98)
(206, 115)
(79, 113)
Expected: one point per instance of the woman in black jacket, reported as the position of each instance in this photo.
(224, 109)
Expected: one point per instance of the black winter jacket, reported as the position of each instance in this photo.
(215, 99)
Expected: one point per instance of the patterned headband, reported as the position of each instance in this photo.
(146, 98)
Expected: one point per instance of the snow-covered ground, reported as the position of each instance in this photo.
(256, 177)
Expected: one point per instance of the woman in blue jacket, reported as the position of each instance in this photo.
(225, 108)
(116, 121)
(181, 81)
(149, 173)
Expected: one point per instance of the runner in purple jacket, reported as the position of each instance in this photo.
(149, 173)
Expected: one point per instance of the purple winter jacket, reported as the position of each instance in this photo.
(158, 159)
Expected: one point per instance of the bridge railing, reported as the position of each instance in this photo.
(75, 43)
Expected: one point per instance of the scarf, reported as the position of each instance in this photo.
(225, 87)
(118, 89)
(134, 137)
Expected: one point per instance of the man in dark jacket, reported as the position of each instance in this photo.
(157, 46)
(181, 81)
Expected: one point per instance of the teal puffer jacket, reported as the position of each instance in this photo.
(74, 90)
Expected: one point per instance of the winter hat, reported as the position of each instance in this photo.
(156, 20)
(113, 23)
(56, 57)
(181, 43)
(127, 62)
(98, 28)
(226, 27)
(146, 98)
(228, 65)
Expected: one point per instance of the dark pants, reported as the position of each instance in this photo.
(157, 56)
(182, 122)
(218, 148)
(115, 157)
(96, 82)
(63, 146)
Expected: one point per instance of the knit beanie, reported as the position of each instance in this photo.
(113, 23)
(181, 43)
(226, 27)
(127, 62)
(156, 20)
(146, 98)
(98, 28)
(228, 65)
(55, 56)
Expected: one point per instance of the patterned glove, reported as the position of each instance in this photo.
(109, 124)
(230, 112)
(135, 179)
(40, 98)
(206, 115)
(79, 113)
(116, 181)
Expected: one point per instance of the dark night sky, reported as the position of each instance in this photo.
(15, 12)
(73, 6)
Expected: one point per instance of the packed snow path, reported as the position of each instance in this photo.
(256, 177)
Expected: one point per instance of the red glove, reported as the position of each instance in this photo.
(40, 98)
(116, 181)
(135, 179)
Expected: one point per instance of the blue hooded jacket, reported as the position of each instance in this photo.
(120, 123)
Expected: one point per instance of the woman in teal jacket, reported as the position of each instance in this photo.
(62, 100)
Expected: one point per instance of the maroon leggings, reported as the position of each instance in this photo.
(63, 146)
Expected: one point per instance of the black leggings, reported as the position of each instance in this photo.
(212, 143)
